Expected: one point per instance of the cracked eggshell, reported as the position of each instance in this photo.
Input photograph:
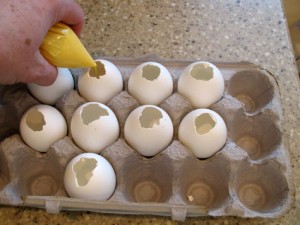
(148, 129)
(89, 176)
(50, 94)
(202, 84)
(203, 131)
(150, 83)
(94, 126)
(41, 126)
(102, 83)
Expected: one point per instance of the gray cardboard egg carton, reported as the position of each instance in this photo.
(250, 177)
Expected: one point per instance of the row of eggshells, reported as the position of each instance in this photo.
(150, 83)
(202, 130)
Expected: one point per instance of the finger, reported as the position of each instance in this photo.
(41, 73)
(72, 15)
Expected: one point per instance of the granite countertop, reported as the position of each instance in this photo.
(217, 31)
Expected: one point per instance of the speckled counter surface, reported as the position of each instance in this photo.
(218, 31)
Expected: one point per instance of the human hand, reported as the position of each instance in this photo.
(23, 26)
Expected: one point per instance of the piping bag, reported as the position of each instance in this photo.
(62, 48)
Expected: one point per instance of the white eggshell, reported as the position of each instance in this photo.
(104, 86)
(150, 83)
(203, 131)
(148, 129)
(201, 83)
(89, 176)
(50, 94)
(41, 126)
(94, 126)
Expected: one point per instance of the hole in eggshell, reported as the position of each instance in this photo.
(84, 170)
(151, 72)
(97, 71)
(202, 72)
(92, 112)
(204, 123)
(150, 116)
(35, 120)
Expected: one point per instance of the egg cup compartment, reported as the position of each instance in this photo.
(147, 180)
(261, 188)
(252, 88)
(241, 179)
(45, 177)
(31, 173)
(205, 182)
(257, 135)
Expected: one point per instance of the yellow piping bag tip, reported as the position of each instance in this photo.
(62, 48)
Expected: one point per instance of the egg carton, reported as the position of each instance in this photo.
(249, 177)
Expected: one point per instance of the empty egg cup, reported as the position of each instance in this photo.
(204, 182)
(252, 88)
(261, 187)
(258, 135)
(147, 180)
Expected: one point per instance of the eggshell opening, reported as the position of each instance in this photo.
(98, 70)
(202, 72)
(91, 113)
(150, 117)
(35, 120)
(84, 170)
(150, 72)
(204, 123)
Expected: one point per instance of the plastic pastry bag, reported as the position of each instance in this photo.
(62, 48)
